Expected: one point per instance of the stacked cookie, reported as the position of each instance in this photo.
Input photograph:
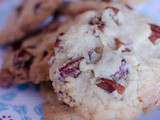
(94, 60)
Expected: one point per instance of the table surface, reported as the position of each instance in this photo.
(23, 102)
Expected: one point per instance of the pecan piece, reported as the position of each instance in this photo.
(126, 50)
(56, 43)
(98, 22)
(71, 68)
(155, 33)
(58, 40)
(118, 43)
(95, 55)
(115, 10)
(110, 86)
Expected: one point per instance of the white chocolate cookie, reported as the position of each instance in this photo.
(107, 64)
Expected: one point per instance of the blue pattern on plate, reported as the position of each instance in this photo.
(8, 96)
(21, 109)
(38, 109)
(3, 107)
(26, 118)
(22, 101)
(18, 110)
(23, 87)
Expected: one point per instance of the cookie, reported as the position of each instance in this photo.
(26, 18)
(75, 8)
(23, 59)
(28, 62)
(55, 109)
(39, 70)
(18, 62)
(106, 65)
(20, 59)
(6, 75)
(134, 3)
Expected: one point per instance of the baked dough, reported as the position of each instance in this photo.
(27, 18)
(107, 64)
(55, 109)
